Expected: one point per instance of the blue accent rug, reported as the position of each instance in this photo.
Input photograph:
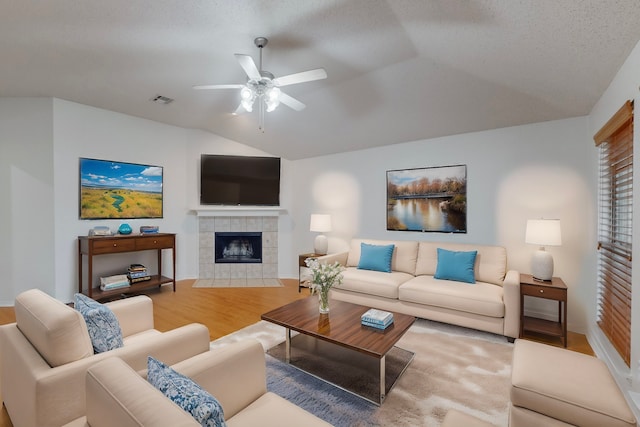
(325, 401)
(453, 368)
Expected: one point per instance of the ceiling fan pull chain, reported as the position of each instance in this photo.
(261, 117)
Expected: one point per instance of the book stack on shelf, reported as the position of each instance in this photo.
(138, 273)
(378, 319)
(110, 283)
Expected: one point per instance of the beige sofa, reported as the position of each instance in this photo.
(235, 375)
(44, 355)
(491, 304)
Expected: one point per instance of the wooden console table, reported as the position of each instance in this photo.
(98, 245)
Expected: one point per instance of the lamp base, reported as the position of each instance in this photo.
(542, 265)
(320, 244)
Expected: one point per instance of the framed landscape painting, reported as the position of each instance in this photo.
(427, 199)
(119, 190)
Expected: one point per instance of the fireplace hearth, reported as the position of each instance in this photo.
(208, 268)
(238, 247)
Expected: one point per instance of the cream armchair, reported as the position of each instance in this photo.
(234, 374)
(44, 356)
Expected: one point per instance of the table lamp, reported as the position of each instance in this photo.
(543, 232)
(320, 223)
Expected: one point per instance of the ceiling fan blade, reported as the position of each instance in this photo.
(305, 76)
(291, 102)
(249, 67)
(206, 87)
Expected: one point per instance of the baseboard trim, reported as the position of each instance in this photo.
(619, 370)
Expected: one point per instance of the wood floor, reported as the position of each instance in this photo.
(226, 310)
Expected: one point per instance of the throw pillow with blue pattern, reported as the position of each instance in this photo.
(104, 328)
(186, 393)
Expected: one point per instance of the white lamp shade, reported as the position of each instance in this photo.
(543, 232)
(320, 223)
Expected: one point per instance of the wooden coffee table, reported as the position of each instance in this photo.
(340, 338)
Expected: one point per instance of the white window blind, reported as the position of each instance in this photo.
(615, 229)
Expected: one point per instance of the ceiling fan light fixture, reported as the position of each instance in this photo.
(247, 105)
(246, 94)
(272, 99)
(273, 94)
(262, 85)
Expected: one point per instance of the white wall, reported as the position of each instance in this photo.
(41, 141)
(624, 87)
(27, 253)
(82, 131)
(199, 142)
(513, 174)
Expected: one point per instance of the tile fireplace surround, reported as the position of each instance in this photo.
(208, 225)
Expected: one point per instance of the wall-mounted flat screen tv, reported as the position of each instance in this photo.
(119, 190)
(239, 180)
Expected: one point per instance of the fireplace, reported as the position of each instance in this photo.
(238, 247)
(208, 268)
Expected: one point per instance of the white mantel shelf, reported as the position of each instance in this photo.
(240, 211)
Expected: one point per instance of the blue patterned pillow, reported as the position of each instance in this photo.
(187, 394)
(104, 328)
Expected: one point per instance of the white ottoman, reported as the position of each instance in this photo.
(553, 386)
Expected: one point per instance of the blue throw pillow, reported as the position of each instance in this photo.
(454, 265)
(185, 393)
(375, 257)
(102, 324)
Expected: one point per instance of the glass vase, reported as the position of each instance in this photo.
(323, 300)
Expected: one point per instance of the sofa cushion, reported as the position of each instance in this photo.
(490, 266)
(483, 298)
(376, 257)
(373, 282)
(102, 324)
(186, 393)
(55, 330)
(403, 258)
(117, 396)
(271, 410)
(456, 265)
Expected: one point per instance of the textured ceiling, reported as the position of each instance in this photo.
(398, 70)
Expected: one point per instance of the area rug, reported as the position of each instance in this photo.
(237, 283)
(453, 368)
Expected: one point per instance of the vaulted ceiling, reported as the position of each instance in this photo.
(398, 70)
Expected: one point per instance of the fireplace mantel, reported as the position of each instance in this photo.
(240, 211)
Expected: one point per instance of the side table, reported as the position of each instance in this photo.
(553, 290)
(301, 264)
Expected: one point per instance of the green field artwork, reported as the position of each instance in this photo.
(117, 190)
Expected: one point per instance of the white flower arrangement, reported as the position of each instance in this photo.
(324, 276)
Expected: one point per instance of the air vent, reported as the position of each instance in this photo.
(164, 100)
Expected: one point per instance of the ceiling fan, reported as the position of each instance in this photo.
(264, 87)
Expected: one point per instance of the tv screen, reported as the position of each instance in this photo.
(118, 190)
(239, 180)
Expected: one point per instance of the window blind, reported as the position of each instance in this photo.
(615, 229)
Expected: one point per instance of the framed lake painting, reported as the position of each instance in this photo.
(119, 190)
(432, 199)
